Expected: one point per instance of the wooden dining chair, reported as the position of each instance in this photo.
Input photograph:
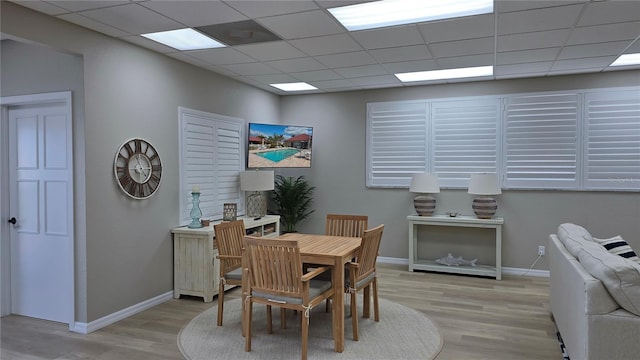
(345, 225)
(230, 241)
(362, 275)
(275, 278)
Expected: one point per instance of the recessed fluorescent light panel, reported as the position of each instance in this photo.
(446, 74)
(378, 14)
(299, 86)
(627, 59)
(184, 39)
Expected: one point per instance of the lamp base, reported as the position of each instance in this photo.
(425, 205)
(256, 205)
(484, 207)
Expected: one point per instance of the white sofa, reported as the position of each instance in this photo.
(592, 322)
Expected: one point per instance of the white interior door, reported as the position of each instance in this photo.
(41, 200)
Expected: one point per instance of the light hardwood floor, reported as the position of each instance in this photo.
(480, 318)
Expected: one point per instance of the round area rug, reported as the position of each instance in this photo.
(402, 333)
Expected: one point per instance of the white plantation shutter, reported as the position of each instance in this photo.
(465, 139)
(397, 135)
(211, 157)
(229, 162)
(541, 141)
(612, 152)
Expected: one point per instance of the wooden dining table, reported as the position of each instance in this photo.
(334, 251)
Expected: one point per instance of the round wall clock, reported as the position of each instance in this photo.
(137, 168)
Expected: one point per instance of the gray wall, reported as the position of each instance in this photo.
(129, 91)
(339, 172)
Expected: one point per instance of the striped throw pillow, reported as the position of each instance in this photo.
(618, 246)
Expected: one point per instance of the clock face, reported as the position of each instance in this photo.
(137, 168)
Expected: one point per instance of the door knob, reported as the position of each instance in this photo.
(13, 220)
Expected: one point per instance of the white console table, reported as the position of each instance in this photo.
(462, 221)
(196, 271)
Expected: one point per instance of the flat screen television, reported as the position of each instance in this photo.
(279, 146)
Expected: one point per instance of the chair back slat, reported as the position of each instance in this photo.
(346, 225)
(368, 252)
(230, 241)
(275, 266)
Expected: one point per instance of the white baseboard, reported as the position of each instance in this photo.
(505, 270)
(85, 328)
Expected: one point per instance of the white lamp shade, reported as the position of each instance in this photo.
(484, 184)
(424, 183)
(256, 180)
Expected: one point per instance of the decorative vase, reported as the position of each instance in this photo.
(195, 211)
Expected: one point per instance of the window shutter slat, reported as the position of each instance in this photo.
(541, 141)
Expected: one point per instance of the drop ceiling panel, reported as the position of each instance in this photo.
(466, 61)
(583, 51)
(302, 25)
(133, 19)
(462, 47)
(330, 44)
(317, 75)
(404, 53)
(296, 65)
(250, 69)
(602, 33)
(600, 13)
(361, 71)
(595, 63)
(561, 17)
(469, 27)
(86, 5)
(221, 56)
(261, 8)
(376, 80)
(536, 40)
(388, 37)
(275, 50)
(334, 84)
(527, 56)
(411, 66)
(196, 13)
(538, 68)
(93, 25)
(346, 59)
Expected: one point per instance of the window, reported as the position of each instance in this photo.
(211, 157)
(396, 142)
(612, 149)
(541, 141)
(465, 139)
(573, 140)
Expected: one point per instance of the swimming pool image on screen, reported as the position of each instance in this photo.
(279, 146)
(278, 155)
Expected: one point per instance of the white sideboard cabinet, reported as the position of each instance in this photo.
(416, 263)
(196, 271)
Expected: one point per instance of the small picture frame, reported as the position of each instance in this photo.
(229, 212)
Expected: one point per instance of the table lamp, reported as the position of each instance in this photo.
(424, 184)
(256, 181)
(484, 184)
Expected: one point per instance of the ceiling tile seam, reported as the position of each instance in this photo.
(566, 40)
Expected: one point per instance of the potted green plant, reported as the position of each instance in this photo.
(292, 199)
